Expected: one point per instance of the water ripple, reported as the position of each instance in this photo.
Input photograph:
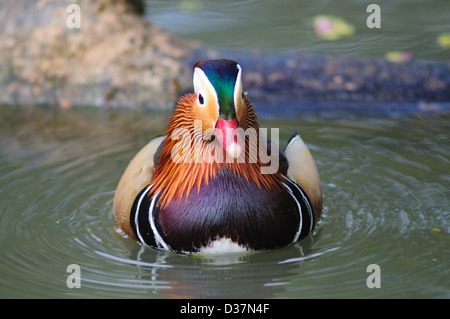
(385, 202)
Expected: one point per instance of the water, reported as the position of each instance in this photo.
(386, 202)
(412, 26)
(385, 180)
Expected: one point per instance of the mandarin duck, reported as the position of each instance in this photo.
(207, 184)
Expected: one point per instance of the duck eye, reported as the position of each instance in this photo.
(200, 99)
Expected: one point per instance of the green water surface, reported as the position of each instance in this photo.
(386, 202)
(385, 181)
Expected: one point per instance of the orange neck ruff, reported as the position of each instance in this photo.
(187, 163)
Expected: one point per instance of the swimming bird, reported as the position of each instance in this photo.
(214, 182)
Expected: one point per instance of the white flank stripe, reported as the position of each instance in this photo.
(137, 215)
(158, 239)
(305, 200)
(297, 235)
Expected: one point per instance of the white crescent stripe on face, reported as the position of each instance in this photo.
(238, 89)
(202, 86)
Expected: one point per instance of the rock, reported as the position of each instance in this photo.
(115, 58)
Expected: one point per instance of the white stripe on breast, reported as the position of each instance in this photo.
(299, 230)
(137, 215)
(305, 200)
(158, 239)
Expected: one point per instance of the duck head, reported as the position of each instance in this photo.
(188, 156)
(219, 101)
